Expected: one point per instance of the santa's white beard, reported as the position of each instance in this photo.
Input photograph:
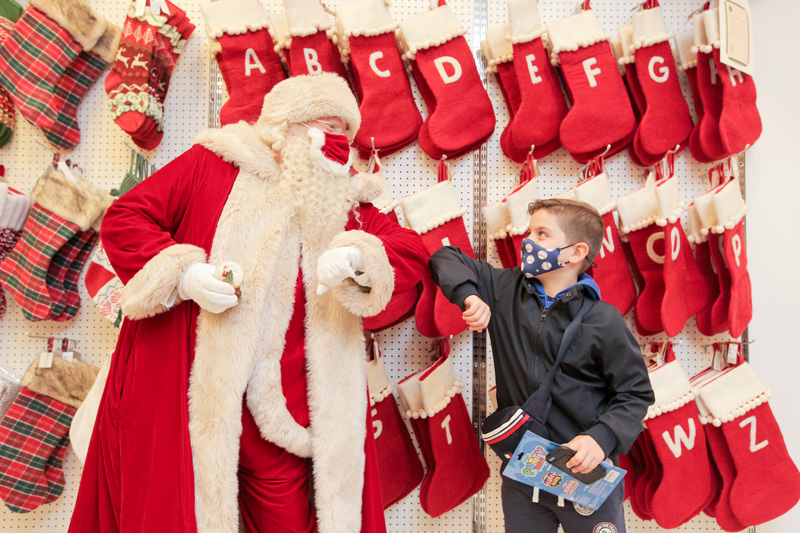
(320, 191)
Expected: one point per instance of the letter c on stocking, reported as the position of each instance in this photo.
(373, 60)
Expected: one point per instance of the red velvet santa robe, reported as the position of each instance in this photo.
(139, 473)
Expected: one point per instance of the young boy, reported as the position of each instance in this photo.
(601, 394)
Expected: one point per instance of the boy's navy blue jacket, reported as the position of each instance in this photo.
(603, 389)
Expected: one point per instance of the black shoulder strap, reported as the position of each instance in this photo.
(538, 405)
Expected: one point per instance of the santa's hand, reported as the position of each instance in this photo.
(199, 283)
(335, 266)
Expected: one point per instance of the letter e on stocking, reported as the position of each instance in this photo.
(533, 69)
(455, 66)
(680, 439)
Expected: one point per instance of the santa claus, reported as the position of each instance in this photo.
(217, 404)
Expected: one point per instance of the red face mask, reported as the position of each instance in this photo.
(336, 148)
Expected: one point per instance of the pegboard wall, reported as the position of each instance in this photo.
(104, 156)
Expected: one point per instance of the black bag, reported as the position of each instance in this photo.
(504, 429)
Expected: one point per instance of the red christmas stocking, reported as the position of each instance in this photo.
(250, 65)
(12, 220)
(611, 273)
(685, 291)
(709, 140)
(722, 461)
(498, 55)
(651, 481)
(719, 311)
(497, 220)
(311, 51)
(666, 122)
(436, 215)
(637, 455)
(739, 121)
(730, 209)
(128, 84)
(390, 119)
(601, 112)
(638, 212)
(399, 466)
(625, 58)
(448, 69)
(542, 106)
(702, 216)
(458, 470)
(679, 441)
(737, 400)
(518, 202)
(687, 54)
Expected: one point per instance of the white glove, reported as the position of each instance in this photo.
(334, 266)
(199, 283)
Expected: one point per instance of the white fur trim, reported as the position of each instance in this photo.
(306, 17)
(649, 28)
(106, 46)
(597, 193)
(729, 206)
(733, 393)
(429, 29)
(687, 53)
(695, 226)
(711, 23)
(700, 37)
(377, 380)
(518, 202)
(234, 17)
(365, 301)
(241, 145)
(145, 293)
(704, 205)
(625, 43)
(639, 209)
(670, 206)
(619, 55)
(525, 22)
(81, 202)
(365, 17)
(671, 387)
(567, 195)
(497, 49)
(577, 31)
(438, 385)
(82, 22)
(15, 211)
(498, 219)
(411, 397)
(279, 31)
(432, 207)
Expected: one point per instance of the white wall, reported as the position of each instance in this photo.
(773, 246)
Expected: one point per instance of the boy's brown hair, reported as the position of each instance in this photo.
(579, 221)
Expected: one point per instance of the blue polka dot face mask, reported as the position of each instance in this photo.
(536, 259)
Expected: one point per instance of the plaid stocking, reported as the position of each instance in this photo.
(46, 39)
(79, 76)
(34, 433)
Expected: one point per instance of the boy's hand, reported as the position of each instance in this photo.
(588, 454)
(477, 313)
